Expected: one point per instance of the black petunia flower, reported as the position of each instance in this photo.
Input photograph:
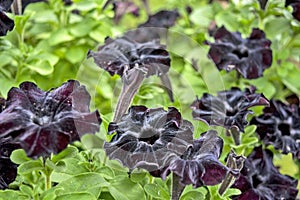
(8, 170)
(6, 24)
(229, 108)
(133, 61)
(279, 126)
(162, 19)
(250, 57)
(122, 54)
(296, 8)
(46, 122)
(199, 165)
(261, 180)
(144, 136)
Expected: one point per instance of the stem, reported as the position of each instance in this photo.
(131, 83)
(177, 188)
(235, 133)
(167, 84)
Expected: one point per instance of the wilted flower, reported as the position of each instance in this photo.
(6, 24)
(250, 57)
(279, 126)
(296, 8)
(260, 179)
(199, 164)
(8, 170)
(133, 61)
(143, 137)
(229, 108)
(46, 122)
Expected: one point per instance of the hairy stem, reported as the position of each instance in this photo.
(167, 84)
(177, 188)
(131, 83)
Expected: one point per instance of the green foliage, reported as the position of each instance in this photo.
(49, 45)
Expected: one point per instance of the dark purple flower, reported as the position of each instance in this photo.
(2, 104)
(229, 108)
(143, 137)
(162, 19)
(8, 170)
(263, 4)
(250, 56)
(6, 24)
(122, 54)
(46, 122)
(279, 126)
(133, 61)
(121, 8)
(261, 180)
(199, 164)
(155, 28)
(296, 7)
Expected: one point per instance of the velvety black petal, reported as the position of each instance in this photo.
(148, 138)
(229, 108)
(6, 24)
(162, 19)
(279, 126)
(45, 122)
(8, 170)
(199, 165)
(119, 55)
(260, 179)
(250, 56)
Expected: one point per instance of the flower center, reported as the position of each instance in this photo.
(241, 53)
(149, 135)
(284, 128)
(41, 120)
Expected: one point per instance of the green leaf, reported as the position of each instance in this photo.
(19, 156)
(190, 193)
(202, 16)
(91, 141)
(59, 36)
(76, 196)
(122, 188)
(86, 182)
(69, 152)
(228, 19)
(156, 191)
(75, 54)
(275, 26)
(138, 175)
(30, 166)
(42, 67)
(83, 28)
(20, 22)
(231, 192)
(106, 172)
(12, 194)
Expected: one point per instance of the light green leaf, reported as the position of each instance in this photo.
(69, 152)
(122, 188)
(42, 67)
(60, 36)
(30, 166)
(156, 191)
(75, 54)
(19, 156)
(77, 196)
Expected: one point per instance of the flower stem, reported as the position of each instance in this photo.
(131, 83)
(167, 84)
(177, 188)
(235, 133)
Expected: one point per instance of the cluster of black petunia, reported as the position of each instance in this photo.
(160, 141)
(43, 122)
